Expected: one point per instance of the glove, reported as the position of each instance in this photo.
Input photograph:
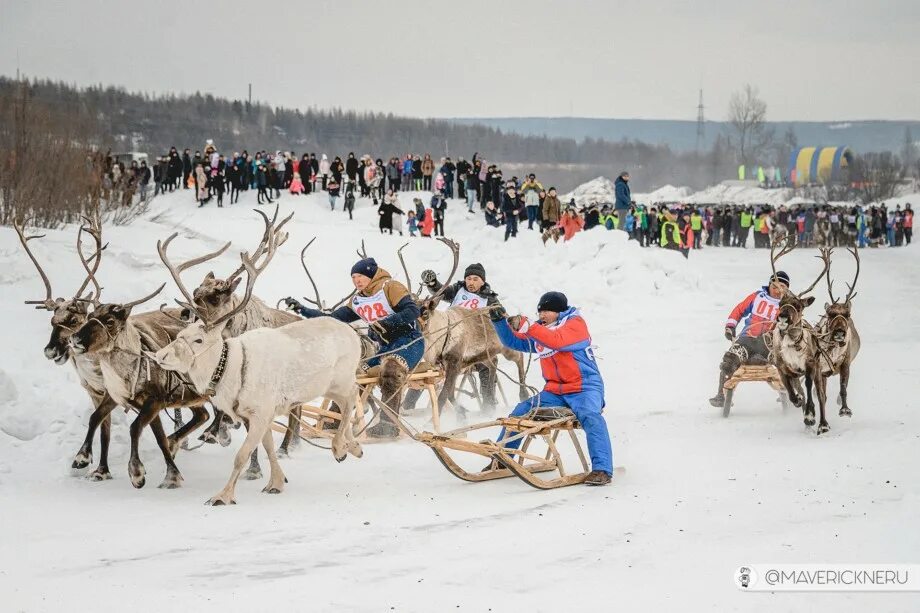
(524, 326)
(729, 333)
(429, 278)
(292, 304)
(381, 329)
(496, 311)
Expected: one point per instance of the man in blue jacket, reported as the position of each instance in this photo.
(623, 198)
(563, 345)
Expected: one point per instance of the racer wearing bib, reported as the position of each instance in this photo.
(387, 307)
(563, 345)
(471, 293)
(757, 312)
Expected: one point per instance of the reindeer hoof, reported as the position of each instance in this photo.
(82, 460)
(283, 452)
(340, 458)
(171, 482)
(137, 472)
(823, 428)
(846, 412)
(223, 437)
(355, 449)
(271, 490)
(100, 474)
(252, 474)
(208, 437)
(809, 420)
(218, 502)
(798, 402)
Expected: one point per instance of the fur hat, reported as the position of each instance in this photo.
(366, 267)
(553, 301)
(475, 269)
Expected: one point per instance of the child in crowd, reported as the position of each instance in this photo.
(412, 223)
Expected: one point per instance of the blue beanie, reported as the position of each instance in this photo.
(366, 267)
(553, 301)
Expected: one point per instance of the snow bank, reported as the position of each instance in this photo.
(701, 495)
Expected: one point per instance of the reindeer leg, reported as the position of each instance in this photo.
(145, 416)
(216, 429)
(790, 390)
(178, 438)
(844, 382)
(290, 436)
(84, 456)
(254, 471)
(344, 441)
(809, 402)
(177, 417)
(277, 479)
(105, 434)
(449, 389)
(255, 430)
(821, 389)
(173, 478)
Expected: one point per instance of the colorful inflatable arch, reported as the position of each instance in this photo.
(818, 164)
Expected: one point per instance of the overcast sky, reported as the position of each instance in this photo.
(811, 59)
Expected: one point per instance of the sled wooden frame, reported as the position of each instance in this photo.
(753, 372)
(544, 424)
(321, 422)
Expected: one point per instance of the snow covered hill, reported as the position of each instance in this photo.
(701, 494)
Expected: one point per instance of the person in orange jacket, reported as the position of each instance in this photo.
(570, 223)
(686, 233)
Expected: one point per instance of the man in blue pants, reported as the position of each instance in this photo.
(563, 345)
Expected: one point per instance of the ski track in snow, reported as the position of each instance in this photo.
(701, 495)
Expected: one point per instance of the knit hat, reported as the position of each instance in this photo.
(553, 301)
(782, 277)
(475, 269)
(366, 267)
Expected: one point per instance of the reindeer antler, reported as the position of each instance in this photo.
(253, 270)
(95, 230)
(824, 256)
(48, 303)
(176, 271)
(362, 252)
(850, 293)
(270, 229)
(455, 249)
(405, 270)
(130, 305)
(303, 262)
(788, 243)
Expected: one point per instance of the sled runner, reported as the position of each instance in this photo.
(540, 425)
(766, 373)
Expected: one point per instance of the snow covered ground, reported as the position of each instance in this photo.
(701, 495)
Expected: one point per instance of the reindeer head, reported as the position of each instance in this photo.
(104, 325)
(213, 297)
(67, 315)
(839, 313)
(206, 332)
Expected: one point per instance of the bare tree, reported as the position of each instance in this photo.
(747, 113)
(877, 175)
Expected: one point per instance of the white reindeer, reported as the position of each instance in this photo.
(264, 373)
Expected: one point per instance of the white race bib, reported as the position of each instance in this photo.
(372, 308)
(467, 300)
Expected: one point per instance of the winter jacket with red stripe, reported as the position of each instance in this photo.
(760, 310)
(564, 351)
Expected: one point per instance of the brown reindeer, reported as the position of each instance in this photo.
(459, 338)
(793, 343)
(118, 339)
(67, 316)
(837, 343)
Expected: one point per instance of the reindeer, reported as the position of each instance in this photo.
(265, 372)
(459, 338)
(67, 316)
(117, 340)
(838, 344)
(793, 343)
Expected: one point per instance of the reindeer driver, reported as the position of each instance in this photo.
(759, 311)
(386, 305)
(471, 293)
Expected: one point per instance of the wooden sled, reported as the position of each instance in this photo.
(766, 373)
(544, 424)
